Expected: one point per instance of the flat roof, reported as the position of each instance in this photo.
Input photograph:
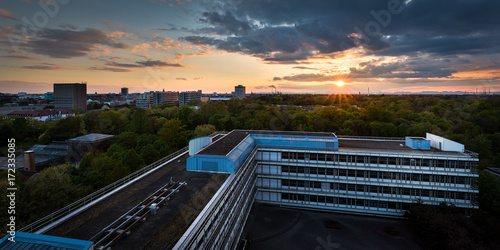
(346, 143)
(372, 144)
(92, 137)
(224, 145)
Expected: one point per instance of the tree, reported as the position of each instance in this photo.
(149, 154)
(140, 122)
(144, 140)
(107, 169)
(127, 140)
(204, 130)
(173, 133)
(51, 190)
(111, 122)
(63, 129)
(489, 192)
(132, 160)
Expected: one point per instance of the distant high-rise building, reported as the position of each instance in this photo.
(185, 97)
(124, 91)
(239, 91)
(70, 96)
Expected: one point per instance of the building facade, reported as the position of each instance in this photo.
(239, 91)
(320, 171)
(70, 96)
(124, 91)
(185, 97)
(169, 97)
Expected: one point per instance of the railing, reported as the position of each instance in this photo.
(370, 138)
(51, 218)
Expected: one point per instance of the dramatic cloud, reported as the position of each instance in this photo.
(143, 64)
(289, 31)
(59, 43)
(7, 14)
(105, 68)
(44, 66)
(157, 63)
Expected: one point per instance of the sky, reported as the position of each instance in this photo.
(313, 46)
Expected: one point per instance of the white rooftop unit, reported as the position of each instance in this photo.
(444, 144)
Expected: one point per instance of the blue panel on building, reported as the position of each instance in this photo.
(209, 166)
(40, 241)
(417, 143)
(232, 161)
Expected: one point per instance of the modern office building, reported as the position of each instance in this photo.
(70, 96)
(165, 97)
(124, 91)
(185, 97)
(239, 91)
(320, 171)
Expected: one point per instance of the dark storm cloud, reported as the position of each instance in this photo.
(143, 64)
(157, 63)
(111, 69)
(44, 66)
(287, 31)
(60, 43)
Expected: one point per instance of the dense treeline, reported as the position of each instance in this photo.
(145, 135)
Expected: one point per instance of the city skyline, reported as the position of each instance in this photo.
(325, 47)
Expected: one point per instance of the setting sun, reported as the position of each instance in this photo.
(339, 83)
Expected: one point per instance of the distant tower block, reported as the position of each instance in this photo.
(29, 161)
(239, 91)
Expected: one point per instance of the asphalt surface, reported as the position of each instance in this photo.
(272, 227)
(93, 220)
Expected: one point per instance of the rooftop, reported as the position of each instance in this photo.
(396, 145)
(42, 112)
(346, 143)
(224, 145)
(91, 138)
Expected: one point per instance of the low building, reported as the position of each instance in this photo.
(43, 114)
(40, 157)
(79, 146)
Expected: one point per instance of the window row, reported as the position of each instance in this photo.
(375, 174)
(286, 183)
(378, 160)
(344, 201)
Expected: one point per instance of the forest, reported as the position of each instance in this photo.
(146, 135)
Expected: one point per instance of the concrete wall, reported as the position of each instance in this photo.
(444, 144)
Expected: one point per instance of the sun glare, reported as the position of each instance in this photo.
(339, 83)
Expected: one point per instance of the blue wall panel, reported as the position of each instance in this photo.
(231, 162)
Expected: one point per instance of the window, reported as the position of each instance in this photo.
(321, 171)
(351, 173)
(360, 173)
(313, 170)
(329, 171)
(285, 169)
